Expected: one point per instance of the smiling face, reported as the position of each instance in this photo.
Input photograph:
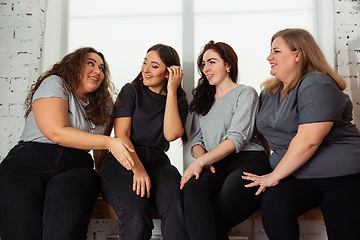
(154, 72)
(92, 76)
(283, 60)
(214, 68)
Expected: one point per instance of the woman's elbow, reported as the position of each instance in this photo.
(54, 135)
(173, 136)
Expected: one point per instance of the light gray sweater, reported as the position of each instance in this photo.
(230, 117)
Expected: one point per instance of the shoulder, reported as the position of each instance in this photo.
(246, 91)
(315, 80)
(318, 85)
(52, 86)
(54, 81)
(128, 90)
(129, 87)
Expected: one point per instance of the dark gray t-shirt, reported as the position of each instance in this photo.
(55, 86)
(147, 110)
(314, 99)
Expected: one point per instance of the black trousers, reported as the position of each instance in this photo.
(133, 211)
(216, 202)
(46, 192)
(339, 198)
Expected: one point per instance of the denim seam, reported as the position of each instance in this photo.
(58, 159)
(121, 219)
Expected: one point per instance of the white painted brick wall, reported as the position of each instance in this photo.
(21, 33)
(347, 31)
(21, 36)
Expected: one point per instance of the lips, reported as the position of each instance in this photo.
(94, 78)
(209, 76)
(147, 76)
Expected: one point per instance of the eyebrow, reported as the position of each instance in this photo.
(210, 59)
(152, 61)
(95, 61)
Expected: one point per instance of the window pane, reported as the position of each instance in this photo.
(247, 26)
(123, 31)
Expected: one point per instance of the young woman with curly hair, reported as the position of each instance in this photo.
(224, 146)
(48, 186)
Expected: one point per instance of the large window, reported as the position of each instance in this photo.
(124, 30)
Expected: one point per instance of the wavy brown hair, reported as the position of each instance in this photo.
(204, 93)
(70, 68)
(170, 57)
(311, 60)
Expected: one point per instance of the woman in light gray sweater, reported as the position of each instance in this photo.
(224, 146)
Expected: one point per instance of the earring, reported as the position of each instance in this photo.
(228, 71)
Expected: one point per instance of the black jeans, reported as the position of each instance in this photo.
(133, 211)
(339, 198)
(216, 202)
(46, 192)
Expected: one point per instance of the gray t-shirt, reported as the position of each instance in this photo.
(314, 99)
(230, 117)
(55, 86)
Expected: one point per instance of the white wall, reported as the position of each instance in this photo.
(21, 38)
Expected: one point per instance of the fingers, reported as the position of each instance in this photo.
(250, 174)
(128, 147)
(260, 190)
(148, 189)
(129, 159)
(175, 76)
(185, 179)
(212, 168)
(142, 187)
(175, 71)
(123, 160)
(121, 150)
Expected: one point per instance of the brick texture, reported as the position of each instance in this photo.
(21, 38)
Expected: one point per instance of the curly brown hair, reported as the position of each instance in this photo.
(70, 68)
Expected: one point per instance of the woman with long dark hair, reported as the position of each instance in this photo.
(151, 112)
(224, 146)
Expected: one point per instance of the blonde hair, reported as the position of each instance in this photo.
(311, 60)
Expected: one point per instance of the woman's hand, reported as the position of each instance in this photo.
(194, 169)
(141, 183)
(264, 181)
(175, 77)
(120, 149)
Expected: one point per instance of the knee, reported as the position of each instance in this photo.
(192, 187)
(138, 220)
(275, 208)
